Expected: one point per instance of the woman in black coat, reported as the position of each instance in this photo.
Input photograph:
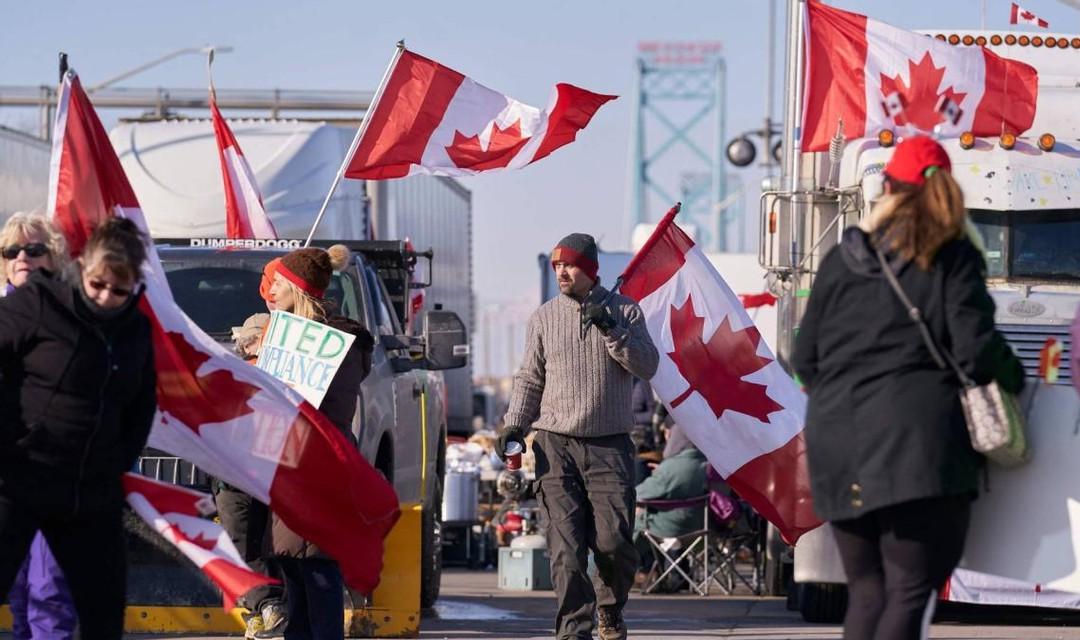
(891, 464)
(76, 403)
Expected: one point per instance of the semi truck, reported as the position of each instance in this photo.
(1022, 193)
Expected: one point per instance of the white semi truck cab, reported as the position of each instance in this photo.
(1023, 196)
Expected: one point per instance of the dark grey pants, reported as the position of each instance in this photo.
(586, 493)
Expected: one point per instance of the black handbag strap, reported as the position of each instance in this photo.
(940, 356)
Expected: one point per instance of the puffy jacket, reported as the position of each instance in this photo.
(884, 423)
(77, 397)
(339, 406)
(678, 477)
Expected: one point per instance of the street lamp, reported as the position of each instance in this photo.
(153, 63)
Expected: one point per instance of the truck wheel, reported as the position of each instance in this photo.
(822, 602)
(431, 548)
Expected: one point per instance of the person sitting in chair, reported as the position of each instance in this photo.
(681, 475)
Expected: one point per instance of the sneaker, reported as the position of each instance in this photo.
(253, 626)
(273, 621)
(611, 625)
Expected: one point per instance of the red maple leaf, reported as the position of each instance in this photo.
(504, 144)
(196, 400)
(202, 541)
(716, 368)
(921, 98)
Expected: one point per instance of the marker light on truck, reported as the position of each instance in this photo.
(1010, 39)
(1007, 140)
(1025, 41)
(995, 40)
(981, 41)
(954, 39)
(1037, 41)
(968, 40)
(886, 138)
(1047, 142)
(1075, 42)
(967, 140)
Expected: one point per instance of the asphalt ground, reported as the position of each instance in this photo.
(472, 607)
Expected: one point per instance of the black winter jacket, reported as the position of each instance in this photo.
(77, 398)
(884, 424)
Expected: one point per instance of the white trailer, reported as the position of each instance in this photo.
(24, 172)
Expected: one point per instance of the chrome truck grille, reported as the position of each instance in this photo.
(1028, 340)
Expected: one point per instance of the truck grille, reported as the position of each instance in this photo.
(1027, 340)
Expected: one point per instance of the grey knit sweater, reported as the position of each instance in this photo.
(581, 387)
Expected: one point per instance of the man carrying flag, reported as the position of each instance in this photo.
(584, 349)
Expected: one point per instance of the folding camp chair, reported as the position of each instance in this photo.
(737, 552)
(686, 555)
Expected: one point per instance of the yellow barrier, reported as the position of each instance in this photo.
(394, 610)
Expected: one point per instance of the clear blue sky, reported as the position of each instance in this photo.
(519, 48)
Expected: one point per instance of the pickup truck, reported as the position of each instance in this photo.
(400, 422)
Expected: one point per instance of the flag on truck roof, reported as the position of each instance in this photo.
(429, 119)
(180, 516)
(245, 215)
(1018, 15)
(227, 417)
(874, 76)
(720, 381)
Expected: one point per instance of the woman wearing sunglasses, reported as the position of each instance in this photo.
(41, 605)
(77, 399)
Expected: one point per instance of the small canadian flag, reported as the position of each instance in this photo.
(950, 110)
(1020, 14)
(1050, 360)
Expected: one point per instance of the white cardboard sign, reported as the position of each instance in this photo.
(302, 353)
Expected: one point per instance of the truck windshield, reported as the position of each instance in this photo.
(1042, 245)
(220, 294)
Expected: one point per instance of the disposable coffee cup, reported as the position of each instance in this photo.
(512, 452)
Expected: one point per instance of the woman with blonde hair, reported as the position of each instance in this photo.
(28, 241)
(41, 605)
(891, 463)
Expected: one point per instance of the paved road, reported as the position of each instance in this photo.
(472, 607)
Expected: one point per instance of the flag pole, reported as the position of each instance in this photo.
(356, 139)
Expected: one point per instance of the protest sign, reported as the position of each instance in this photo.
(303, 354)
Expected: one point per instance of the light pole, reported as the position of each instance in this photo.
(153, 63)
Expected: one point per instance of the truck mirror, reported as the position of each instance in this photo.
(446, 344)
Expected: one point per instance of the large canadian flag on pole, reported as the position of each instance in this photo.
(720, 381)
(245, 215)
(180, 516)
(429, 119)
(231, 419)
(875, 76)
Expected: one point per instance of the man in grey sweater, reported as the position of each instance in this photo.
(574, 387)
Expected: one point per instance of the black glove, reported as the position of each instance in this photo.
(508, 436)
(599, 316)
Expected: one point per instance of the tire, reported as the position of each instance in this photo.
(822, 603)
(431, 547)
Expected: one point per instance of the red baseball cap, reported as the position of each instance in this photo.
(914, 157)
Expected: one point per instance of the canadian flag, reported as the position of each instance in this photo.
(1020, 14)
(428, 118)
(179, 515)
(720, 381)
(231, 419)
(245, 215)
(874, 76)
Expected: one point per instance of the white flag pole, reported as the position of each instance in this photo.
(356, 139)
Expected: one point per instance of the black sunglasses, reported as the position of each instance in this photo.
(119, 292)
(33, 250)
